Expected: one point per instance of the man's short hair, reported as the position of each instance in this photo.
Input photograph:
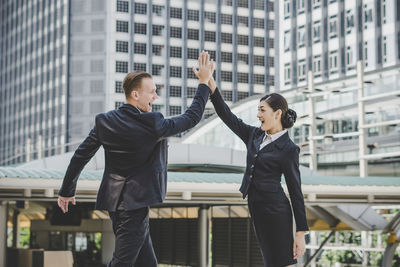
(133, 81)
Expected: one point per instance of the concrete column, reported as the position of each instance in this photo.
(313, 124)
(16, 229)
(361, 120)
(107, 242)
(203, 236)
(313, 241)
(364, 244)
(3, 232)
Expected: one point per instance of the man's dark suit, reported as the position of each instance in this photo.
(135, 174)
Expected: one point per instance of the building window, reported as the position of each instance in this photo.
(333, 27)
(243, 77)
(316, 3)
(211, 53)
(140, 28)
(258, 23)
(122, 46)
(139, 66)
(226, 19)
(349, 20)
(259, 4)
(384, 11)
(287, 73)
(118, 87)
(193, 15)
(139, 48)
(210, 16)
(349, 56)
(158, 88)
(272, 80)
(286, 41)
(302, 70)
(384, 46)
(259, 60)
(271, 62)
(226, 76)
(191, 91)
(158, 10)
(301, 36)
(367, 15)
(193, 53)
(366, 54)
(286, 8)
(242, 95)
(226, 38)
(176, 13)
(175, 52)
(140, 8)
(175, 32)
(271, 42)
(118, 104)
(193, 34)
(227, 95)
(317, 31)
(175, 91)
(243, 39)
(243, 3)
(157, 30)
(190, 74)
(243, 58)
(121, 66)
(270, 25)
(156, 69)
(333, 61)
(300, 6)
(175, 110)
(122, 26)
(259, 41)
(317, 66)
(175, 71)
(243, 21)
(226, 57)
(122, 6)
(258, 79)
(157, 49)
(156, 108)
(227, 2)
(209, 36)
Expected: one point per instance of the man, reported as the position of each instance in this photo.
(135, 174)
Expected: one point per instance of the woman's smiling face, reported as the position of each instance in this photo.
(268, 117)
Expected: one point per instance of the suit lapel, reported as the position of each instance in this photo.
(278, 143)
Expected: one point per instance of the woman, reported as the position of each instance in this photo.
(270, 152)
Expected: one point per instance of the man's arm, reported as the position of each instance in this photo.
(81, 157)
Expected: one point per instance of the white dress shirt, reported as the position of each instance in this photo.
(269, 138)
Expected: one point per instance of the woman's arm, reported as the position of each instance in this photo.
(240, 128)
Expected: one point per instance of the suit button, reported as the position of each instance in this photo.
(251, 176)
(252, 166)
(255, 155)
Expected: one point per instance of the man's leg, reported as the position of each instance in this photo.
(147, 257)
(130, 229)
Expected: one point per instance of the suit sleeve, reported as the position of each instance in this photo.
(191, 117)
(81, 157)
(240, 128)
(292, 177)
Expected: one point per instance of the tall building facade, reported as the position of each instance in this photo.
(328, 37)
(63, 62)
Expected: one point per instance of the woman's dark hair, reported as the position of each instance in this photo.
(276, 101)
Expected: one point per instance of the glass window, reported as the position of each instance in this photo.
(193, 53)
(258, 79)
(176, 13)
(191, 91)
(175, 91)
(243, 77)
(243, 39)
(259, 41)
(157, 30)
(287, 73)
(286, 8)
(140, 48)
(333, 58)
(118, 104)
(193, 34)
(226, 76)
(368, 15)
(175, 51)
(193, 15)
(175, 71)
(122, 26)
(176, 32)
(121, 66)
(259, 4)
(300, 6)
(175, 110)
(333, 27)
(226, 19)
(286, 41)
(158, 10)
(302, 70)
(243, 58)
(243, 3)
(210, 16)
(122, 6)
(209, 36)
(156, 69)
(118, 87)
(243, 21)
(139, 66)
(317, 65)
(258, 23)
(226, 57)
(226, 38)
(140, 28)
(140, 8)
(301, 36)
(227, 95)
(242, 95)
(259, 60)
(122, 46)
(157, 49)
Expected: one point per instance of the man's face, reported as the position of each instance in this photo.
(145, 95)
